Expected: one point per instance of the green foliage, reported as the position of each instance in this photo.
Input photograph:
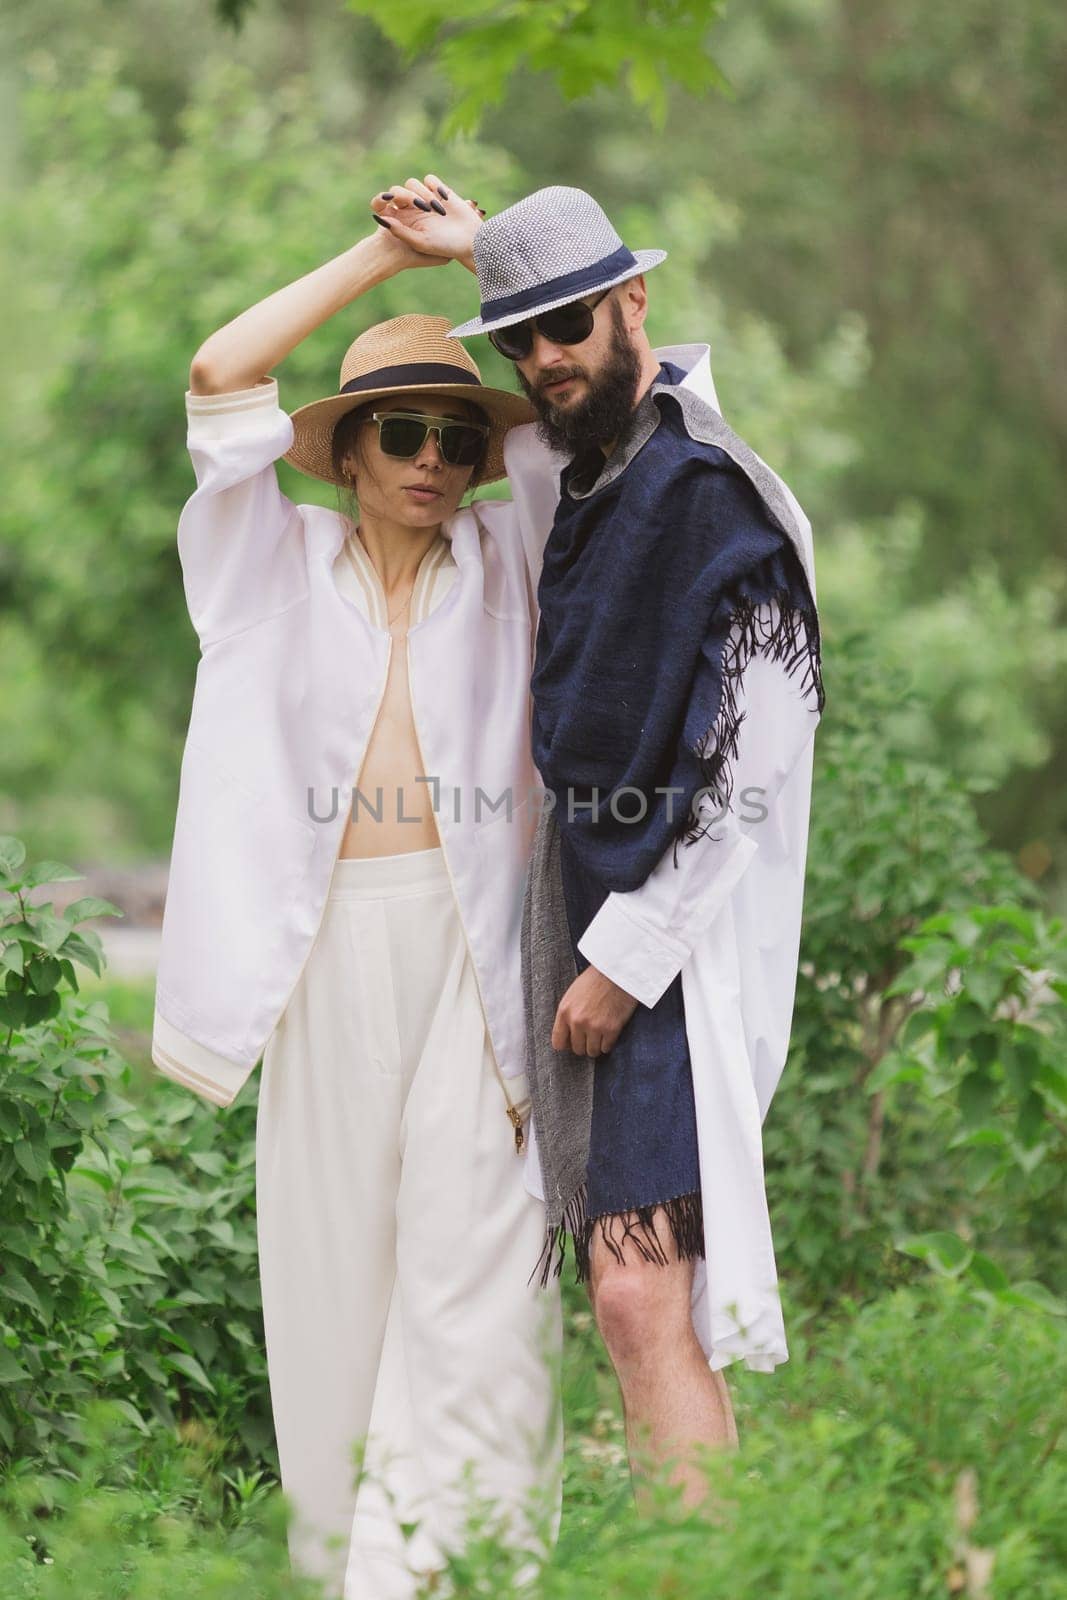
(121, 1230)
(144, 248)
(990, 1037)
(854, 233)
(142, 1516)
(142, 241)
(830, 231)
(57, 1068)
(149, 1262)
(646, 45)
(902, 160)
(855, 1465)
(853, 1163)
(983, 653)
(899, 1445)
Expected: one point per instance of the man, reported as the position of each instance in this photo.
(676, 686)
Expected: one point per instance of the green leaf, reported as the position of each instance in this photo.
(1037, 1297)
(926, 971)
(50, 930)
(213, 1162)
(10, 1370)
(984, 985)
(986, 1272)
(1010, 918)
(222, 1231)
(92, 906)
(1031, 1124)
(13, 958)
(895, 1067)
(33, 1159)
(916, 1027)
(39, 1007)
(1051, 1084)
(947, 1253)
(131, 1413)
(12, 855)
(13, 1286)
(50, 872)
(12, 1010)
(177, 1361)
(79, 947)
(978, 1138)
(44, 973)
(977, 1096)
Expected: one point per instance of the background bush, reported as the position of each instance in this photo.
(828, 235)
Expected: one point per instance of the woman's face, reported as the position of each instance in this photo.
(418, 491)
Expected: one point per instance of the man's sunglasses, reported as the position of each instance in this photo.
(403, 434)
(569, 324)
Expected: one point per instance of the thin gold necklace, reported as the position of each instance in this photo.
(390, 620)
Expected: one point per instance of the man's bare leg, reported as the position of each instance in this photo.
(672, 1401)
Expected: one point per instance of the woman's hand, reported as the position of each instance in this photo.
(429, 221)
(394, 252)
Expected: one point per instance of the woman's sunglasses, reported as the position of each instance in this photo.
(403, 434)
(569, 324)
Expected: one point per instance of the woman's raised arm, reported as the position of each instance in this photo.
(244, 351)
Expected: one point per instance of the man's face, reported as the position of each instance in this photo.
(583, 393)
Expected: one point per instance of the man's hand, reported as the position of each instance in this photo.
(429, 219)
(591, 1014)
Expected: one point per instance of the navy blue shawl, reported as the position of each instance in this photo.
(636, 669)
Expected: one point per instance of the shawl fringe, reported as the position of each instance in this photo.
(794, 639)
(684, 1216)
(554, 1248)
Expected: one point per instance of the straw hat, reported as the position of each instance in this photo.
(406, 355)
(554, 246)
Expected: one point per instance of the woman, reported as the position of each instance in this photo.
(344, 900)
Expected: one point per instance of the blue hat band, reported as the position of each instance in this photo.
(571, 284)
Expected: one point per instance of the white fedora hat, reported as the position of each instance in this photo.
(554, 246)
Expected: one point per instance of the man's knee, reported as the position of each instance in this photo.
(639, 1304)
(625, 1308)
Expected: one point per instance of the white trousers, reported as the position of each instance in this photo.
(395, 1240)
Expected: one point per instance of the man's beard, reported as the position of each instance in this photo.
(607, 411)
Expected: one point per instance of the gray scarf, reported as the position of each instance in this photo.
(561, 1083)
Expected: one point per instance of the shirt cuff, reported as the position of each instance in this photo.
(642, 960)
(218, 416)
(643, 957)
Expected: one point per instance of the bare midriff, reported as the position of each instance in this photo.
(391, 813)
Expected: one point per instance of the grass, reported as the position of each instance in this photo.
(902, 1452)
(912, 1446)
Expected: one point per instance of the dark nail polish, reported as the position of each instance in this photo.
(380, 220)
(439, 207)
(442, 192)
(422, 205)
(388, 196)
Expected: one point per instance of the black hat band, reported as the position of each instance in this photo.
(413, 372)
